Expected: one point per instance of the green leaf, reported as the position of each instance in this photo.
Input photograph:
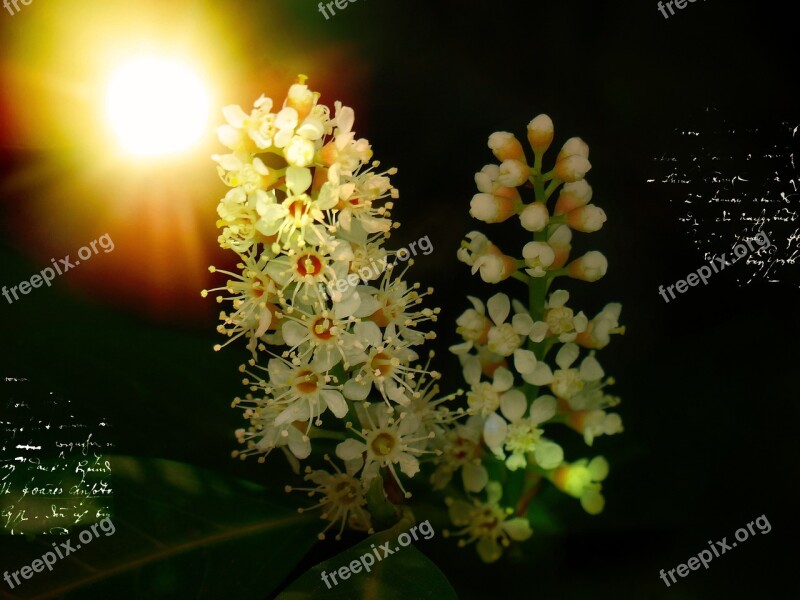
(406, 573)
(179, 532)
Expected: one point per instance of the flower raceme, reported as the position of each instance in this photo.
(307, 209)
(516, 394)
(336, 369)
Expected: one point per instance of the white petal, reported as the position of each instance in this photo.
(325, 359)
(472, 369)
(477, 304)
(519, 307)
(264, 321)
(368, 332)
(524, 361)
(278, 371)
(488, 549)
(503, 379)
(270, 213)
(356, 391)
(494, 431)
(593, 502)
(543, 409)
(542, 375)
(475, 477)
(598, 468)
(499, 307)
(408, 464)
(347, 304)
(335, 402)
(567, 355)
(350, 449)
(518, 529)
(522, 323)
(298, 179)
(513, 405)
(294, 334)
(234, 115)
(396, 393)
(461, 348)
(558, 299)
(299, 446)
(494, 491)
(539, 331)
(548, 454)
(590, 369)
(295, 412)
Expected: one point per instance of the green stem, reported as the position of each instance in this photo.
(551, 188)
(523, 278)
(327, 434)
(536, 178)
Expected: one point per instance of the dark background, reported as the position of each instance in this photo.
(708, 382)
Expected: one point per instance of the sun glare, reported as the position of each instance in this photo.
(157, 106)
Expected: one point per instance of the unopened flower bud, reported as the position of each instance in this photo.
(589, 267)
(534, 217)
(573, 195)
(540, 133)
(587, 219)
(513, 173)
(573, 168)
(506, 147)
(301, 99)
(486, 179)
(561, 243)
(574, 146)
(299, 152)
(491, 209)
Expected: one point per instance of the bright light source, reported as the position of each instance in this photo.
(157, 106)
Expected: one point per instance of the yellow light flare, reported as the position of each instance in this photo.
(157, 106)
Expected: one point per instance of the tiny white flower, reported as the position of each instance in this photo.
(520, 435)
(538, 257)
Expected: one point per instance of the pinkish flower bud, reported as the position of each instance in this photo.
(561, 243)
(574, 146)
(587, 219)
(301, 99)
(534, 217)
(573, 195)
(572, 168)
(491, 209)
(589, 267)
(513, 173)
(540, 133)
(506, 147)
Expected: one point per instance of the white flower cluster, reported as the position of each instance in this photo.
(515, 393)
(306, 209)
